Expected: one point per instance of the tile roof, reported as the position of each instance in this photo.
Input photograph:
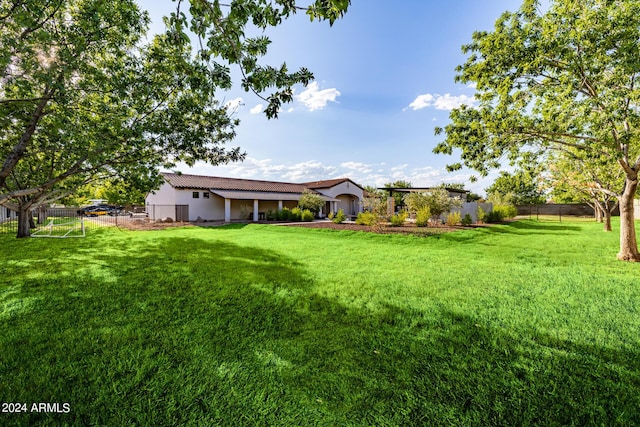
(218, 183)
(252, 195)
(328, 183)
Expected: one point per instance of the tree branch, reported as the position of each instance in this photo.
(19, 149)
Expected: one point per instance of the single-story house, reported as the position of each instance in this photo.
(184, 197)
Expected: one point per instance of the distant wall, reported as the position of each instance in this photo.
(574, 209)
(471, 208)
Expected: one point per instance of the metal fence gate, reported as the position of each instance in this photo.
(182, 213)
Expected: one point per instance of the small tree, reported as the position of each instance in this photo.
(311, 201)
(374, 208)
(437, 201)
(440, 202)
(416, 201)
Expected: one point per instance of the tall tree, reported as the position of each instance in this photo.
(519, 188)
(552, 78)
(587, 180)
(82, 97)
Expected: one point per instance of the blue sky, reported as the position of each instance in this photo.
(384, 81)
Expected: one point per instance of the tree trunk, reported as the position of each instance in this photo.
(42, 214)
(628, 241)
(604, 209)
(599, 216)
(24, 222)
(607, 220)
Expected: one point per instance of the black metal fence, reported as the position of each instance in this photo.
(48, 219)
(555, 209)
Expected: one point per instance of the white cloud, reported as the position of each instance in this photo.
(359, 167)
(257, 109)
(309, 171)
(361, 173)
(421, 101)
(233, 104)
(440, 102)
(266, 169)
(449, 102)
(314, 98)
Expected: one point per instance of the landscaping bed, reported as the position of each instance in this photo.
(407, 228)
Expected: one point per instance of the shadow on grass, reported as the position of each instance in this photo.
(189, 332)
(523, 228)
(536, 225)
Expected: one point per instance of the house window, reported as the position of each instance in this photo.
(205, 195)
(196, 194)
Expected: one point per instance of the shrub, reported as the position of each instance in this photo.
(286, 214)
(494, 216)
(507, 211)
(339, 218)
(271, 215)
(296, 214)
(367, 218)
(480, 214)
(422, 216)
(331, 215)
(453, 218)
(398, 219)
(307, 215)
(466, 220)
(283, 214)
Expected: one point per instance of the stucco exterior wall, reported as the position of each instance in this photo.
(208, 208)
(349, 195)
(349, 204)
(165, 199)
(165, 195)
(346, 187)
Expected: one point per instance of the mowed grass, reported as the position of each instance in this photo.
(530, 323)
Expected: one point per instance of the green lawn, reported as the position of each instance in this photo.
(522, 324)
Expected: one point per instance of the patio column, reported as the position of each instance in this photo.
(391, 205)
(227, 210)
(280, 204)
(255, 210)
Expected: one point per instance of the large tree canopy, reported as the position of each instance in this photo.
(83, 95)
(563, 77)
(522, 187)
